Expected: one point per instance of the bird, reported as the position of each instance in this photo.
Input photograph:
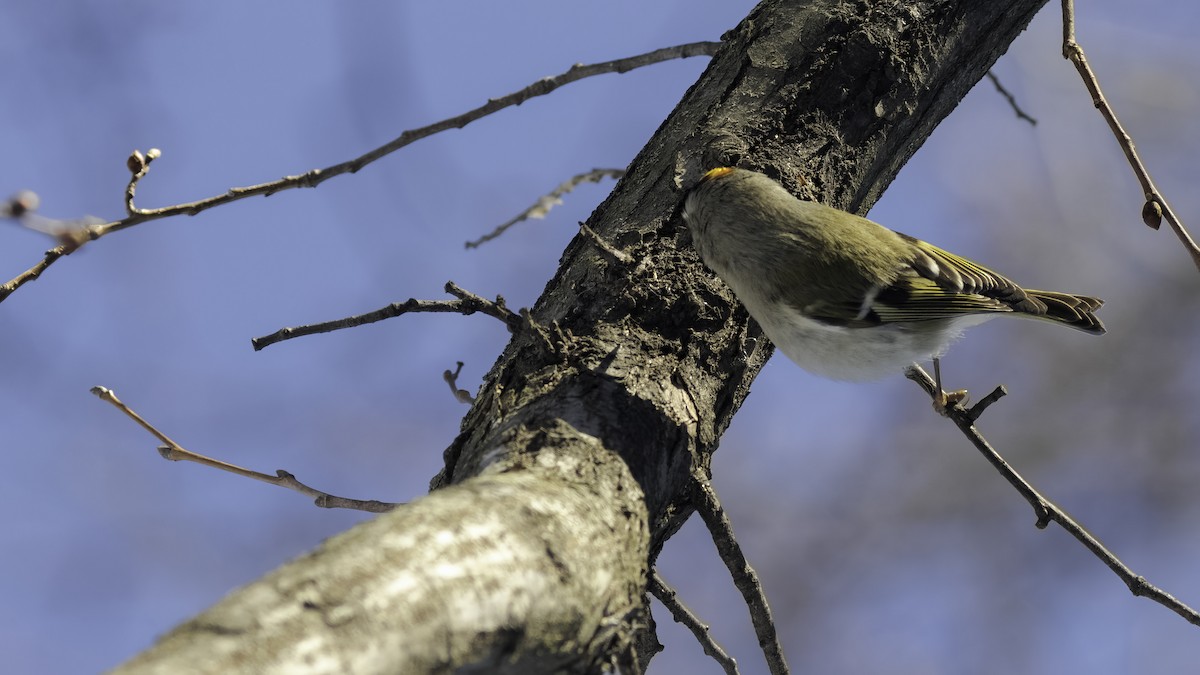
(845, 297)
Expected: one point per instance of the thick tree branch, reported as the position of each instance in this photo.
(475, 577)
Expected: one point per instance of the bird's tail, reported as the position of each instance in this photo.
(1076, 311)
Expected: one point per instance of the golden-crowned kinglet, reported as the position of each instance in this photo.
(845, 297)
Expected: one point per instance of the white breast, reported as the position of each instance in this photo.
(849, 353)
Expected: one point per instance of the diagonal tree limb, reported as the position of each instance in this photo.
(1047, 511)
(659, 588)
(745, 579)
(1156, 207)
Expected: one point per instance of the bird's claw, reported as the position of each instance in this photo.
(945, 400)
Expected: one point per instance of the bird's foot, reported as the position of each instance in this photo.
(945, 400)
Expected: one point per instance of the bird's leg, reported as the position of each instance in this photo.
(944, 400)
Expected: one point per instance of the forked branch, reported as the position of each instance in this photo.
(177, 453)
(1045, 510)
(467, 303)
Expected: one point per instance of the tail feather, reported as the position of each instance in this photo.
(1076, 311)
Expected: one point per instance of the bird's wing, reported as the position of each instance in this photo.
(916, 298)
(934, 284)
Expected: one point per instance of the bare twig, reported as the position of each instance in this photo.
(138, 165)
(680, 612)
(1045, 510)
(552, 338)
(34, 272)
(1012, 100)
(20, 204)
(466, 304)
(460, 395)
(70, 234)
(704, 498)
(619, 256)
(1156, 207)
(548, 201)
(175, 452)
(976, 410)
(315, 177)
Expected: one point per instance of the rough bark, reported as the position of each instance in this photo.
(573, 466)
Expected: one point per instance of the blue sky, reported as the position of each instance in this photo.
(884, 543)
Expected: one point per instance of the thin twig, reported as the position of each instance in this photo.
(466, 304)
(1012, 100)
(704, 498)
(34, 272)
(548, 201)
(1047, 512)
(176, 453)
(552, 338)
(70, 234)
(680, 612)
(315, 177)
(138, 165)
(977, 410)
(460, 395)
(20, 204)
(1156, 207)
(619, 256)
